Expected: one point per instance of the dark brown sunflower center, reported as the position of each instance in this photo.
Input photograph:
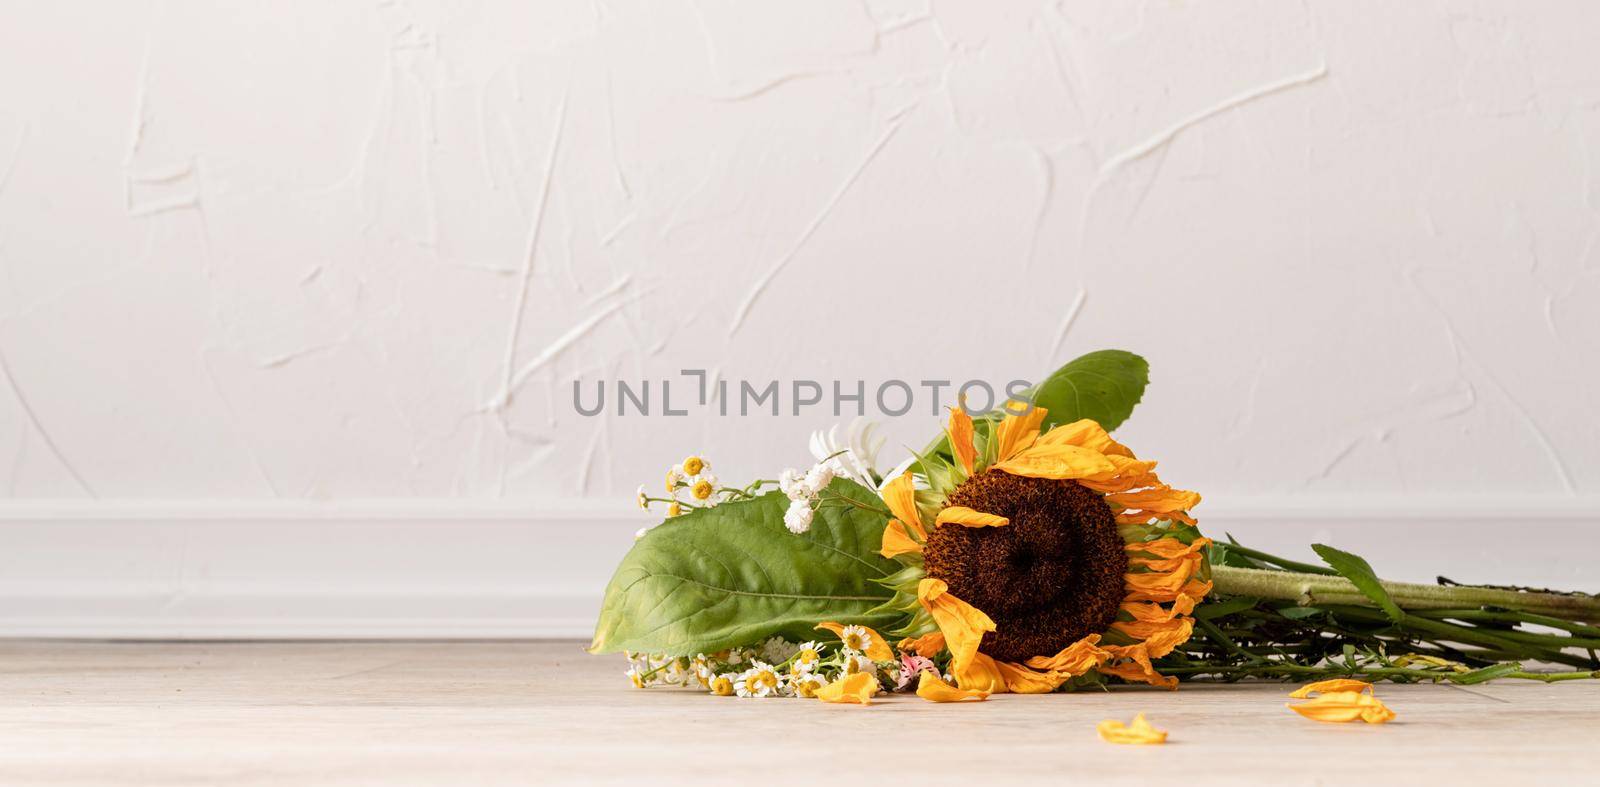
(1049, 578)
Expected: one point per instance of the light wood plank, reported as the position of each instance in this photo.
(77, 713)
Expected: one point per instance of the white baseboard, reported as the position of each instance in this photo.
(464, 570)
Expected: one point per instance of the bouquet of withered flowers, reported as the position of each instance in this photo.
(1025, 550)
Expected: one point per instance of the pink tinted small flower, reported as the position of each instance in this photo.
(912, 665)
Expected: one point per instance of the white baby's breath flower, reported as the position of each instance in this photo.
(792, 483)
(777, 649)
(761, 680)
(817, 478)
(798, 517)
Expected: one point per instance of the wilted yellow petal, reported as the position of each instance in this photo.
(1056, 461)
(1075, 659)
(1016, 432)
(981, 673)
(1344, 706)
(1327, 686)
(927, 646)
(1085, 433)
(900, 495)
(1139, 732)
(933, 688)
(877, 649)
(1168, 547)
(963, 624)
(1159, 500)
(1021, 680)
(960, 432)
(857, 688)
(961, 515)
(1137, 668)
(1170, 581)
(896, 541)
(1159, 636)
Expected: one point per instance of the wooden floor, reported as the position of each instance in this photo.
(75, 713)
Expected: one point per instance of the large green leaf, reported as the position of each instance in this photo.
(1104, 386)
(733, 575)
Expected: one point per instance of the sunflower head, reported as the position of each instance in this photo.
(1051, 555)
(1050, 577)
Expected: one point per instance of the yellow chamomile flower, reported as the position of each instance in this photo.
(704, 487)
(636, 677)
(856, 638)
(643, 499)
(761, 680)
(674, 477)
(695, 465)
(722, 685)
(674, 509)
(805, 684)
(701, 667)
(855, 662)
(808, 657)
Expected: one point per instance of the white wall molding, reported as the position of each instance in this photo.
(468, 569)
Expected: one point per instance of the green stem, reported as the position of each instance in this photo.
(1295, 670)
(1307, 589)
(1288, 565)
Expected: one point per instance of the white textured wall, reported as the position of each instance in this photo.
(259, 250)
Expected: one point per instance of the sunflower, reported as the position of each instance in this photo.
(1040, 557)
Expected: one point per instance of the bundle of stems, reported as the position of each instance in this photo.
(1270, 617)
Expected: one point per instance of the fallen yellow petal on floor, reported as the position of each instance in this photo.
(933, 689)
(1326, 686)
(857, 688)
(1139, 732)
(1344, 706)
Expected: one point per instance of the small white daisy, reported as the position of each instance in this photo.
(855, 662)
(704, 488)
(807, 657)
(760, 680)
(856, 638)
(723, 685)
(804, 684)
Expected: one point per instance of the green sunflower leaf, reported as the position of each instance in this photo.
(1486, 674)
(733, 575)
(1103, 385)
(1356, 569)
